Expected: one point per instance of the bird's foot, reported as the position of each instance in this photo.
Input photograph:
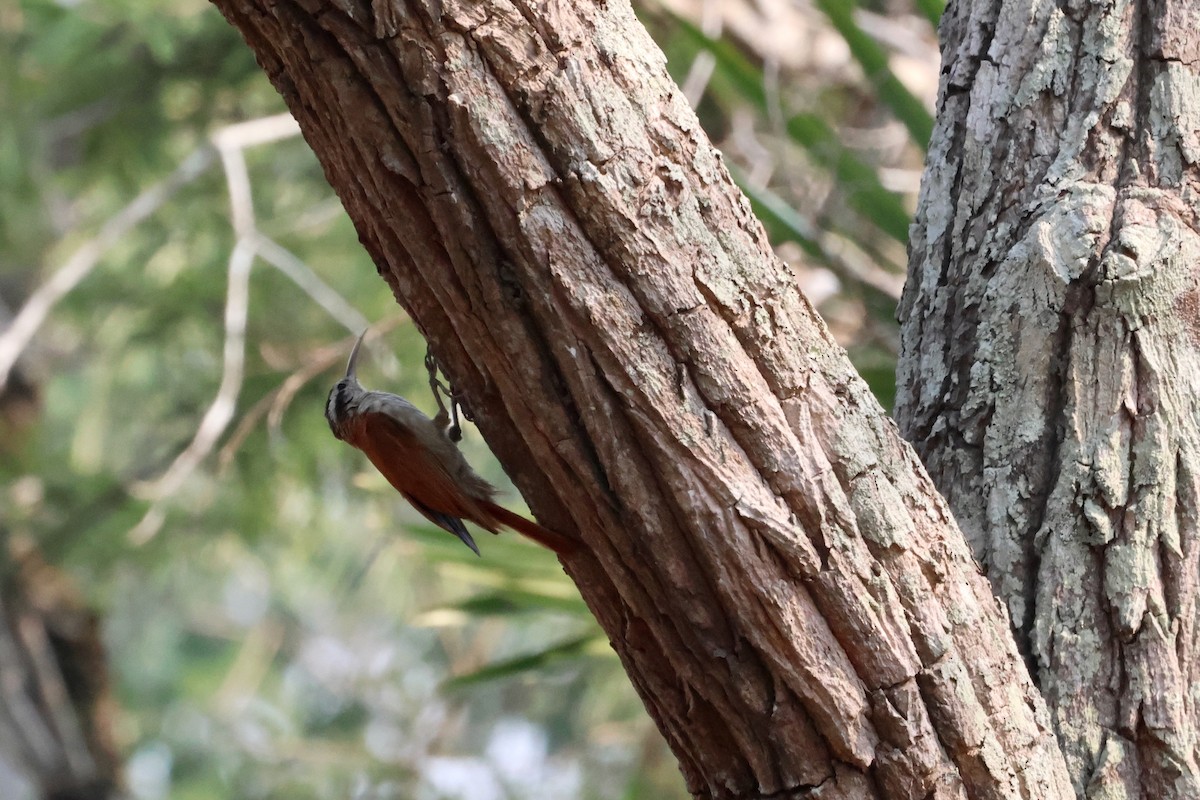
(447, 418)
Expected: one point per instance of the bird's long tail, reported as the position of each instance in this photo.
(531, 530)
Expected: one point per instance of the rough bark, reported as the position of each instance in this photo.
(783, 584)
(1050, 370)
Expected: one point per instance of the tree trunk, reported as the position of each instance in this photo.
(57, 738)
(56, 710)
(1049, 372)
(782, 582)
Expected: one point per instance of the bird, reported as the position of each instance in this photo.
(421, 461)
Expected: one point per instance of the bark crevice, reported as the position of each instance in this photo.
(706, 458)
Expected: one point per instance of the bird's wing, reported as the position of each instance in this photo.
(411, 467)
(452, 524)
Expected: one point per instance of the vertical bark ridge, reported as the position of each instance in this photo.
(787, 592)
(1048, 374)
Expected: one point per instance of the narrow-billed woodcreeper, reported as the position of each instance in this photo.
(420, 460)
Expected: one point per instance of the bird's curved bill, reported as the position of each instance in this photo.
(352, 364)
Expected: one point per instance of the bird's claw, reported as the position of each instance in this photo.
(446, 419)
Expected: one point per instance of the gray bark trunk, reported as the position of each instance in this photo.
(1050, 366)
(783, 584)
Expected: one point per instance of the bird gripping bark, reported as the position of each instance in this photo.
(421, 460)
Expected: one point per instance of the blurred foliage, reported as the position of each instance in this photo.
(294, 630)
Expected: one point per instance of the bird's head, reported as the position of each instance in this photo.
(345, 394)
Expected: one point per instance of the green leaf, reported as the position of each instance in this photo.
(569, 649)
(932, 9)
(872, 58)
(864, 193)
(882, 380)
(735, 72)
(512, 601)
(783, 222)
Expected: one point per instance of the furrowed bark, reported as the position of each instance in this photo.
(1050, 361)
(784, 586)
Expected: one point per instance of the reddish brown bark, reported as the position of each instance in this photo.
(781, 581)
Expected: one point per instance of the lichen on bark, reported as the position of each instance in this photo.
(1048, 375)
(784, 586)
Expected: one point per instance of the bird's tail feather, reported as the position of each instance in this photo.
(531, 530)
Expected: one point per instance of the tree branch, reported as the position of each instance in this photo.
(17, 336)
